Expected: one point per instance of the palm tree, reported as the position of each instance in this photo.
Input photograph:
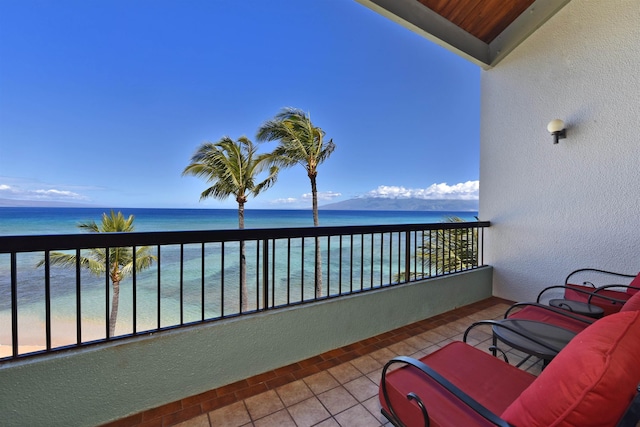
(120, 260)
(449, 250)
(232, 167)
(301, 143)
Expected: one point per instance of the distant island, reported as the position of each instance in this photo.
(390, 204)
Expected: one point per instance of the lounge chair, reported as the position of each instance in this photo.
(609, 296)
(593, 381)
(546, 314)
(559, 317)
(610, 300)
(529, 337)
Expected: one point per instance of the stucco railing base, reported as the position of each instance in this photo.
(95, 385)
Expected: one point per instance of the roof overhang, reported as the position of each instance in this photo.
(414, 15)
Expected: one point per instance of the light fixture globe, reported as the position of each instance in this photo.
(556, 128)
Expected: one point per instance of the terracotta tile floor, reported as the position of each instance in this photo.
(337, 388)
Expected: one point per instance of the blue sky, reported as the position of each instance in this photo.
(103, 102)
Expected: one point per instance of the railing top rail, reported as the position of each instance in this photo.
(29, 243)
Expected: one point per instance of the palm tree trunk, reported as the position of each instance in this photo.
(115, 301)
(314, 200)
(244, 295)
(316, 223)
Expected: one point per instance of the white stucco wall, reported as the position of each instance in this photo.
(555, 208)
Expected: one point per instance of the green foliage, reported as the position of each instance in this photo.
(120, 260)
(300, 142)
(232, 167)
(445, 251)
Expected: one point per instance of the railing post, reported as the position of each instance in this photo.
(134, 292)
(265, 274)
(107, 303)
(159, 291)
(14, 305)
(481, 248)
(47, 299)
(78, 299)
(407, 256)
(182, 284)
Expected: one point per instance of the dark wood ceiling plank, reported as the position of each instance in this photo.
(485, 19)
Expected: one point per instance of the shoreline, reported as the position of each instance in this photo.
(7, 351)
(32, 334)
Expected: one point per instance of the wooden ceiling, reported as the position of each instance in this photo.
(483, 31)
(485, 19)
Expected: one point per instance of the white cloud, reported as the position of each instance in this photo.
(322, 195)
(284, 201)
(8, 191)
(462, 191)
(52, 194)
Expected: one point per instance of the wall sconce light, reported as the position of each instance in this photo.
(556, 128)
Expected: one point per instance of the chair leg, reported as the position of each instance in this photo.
(522, 362)
(494, 345)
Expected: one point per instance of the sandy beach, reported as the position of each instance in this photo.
(32, 333)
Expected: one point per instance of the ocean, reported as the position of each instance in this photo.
(31, 293)
(29, 221)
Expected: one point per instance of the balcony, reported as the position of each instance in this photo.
(335, 388)
(177, 347)
(555, 208)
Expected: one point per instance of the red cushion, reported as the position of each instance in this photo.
(544, 315)
(632, 304)
(634, 283)
(590, 382)
(487, 379)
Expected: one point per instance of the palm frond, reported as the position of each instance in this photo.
(449, 250)
(232, 167)
(300, 142)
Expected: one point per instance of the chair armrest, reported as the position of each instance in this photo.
(562, 287)
(444, 383)
(549, 308)
(589, 294)
(604, 287)
(500, 324)
(596, 270)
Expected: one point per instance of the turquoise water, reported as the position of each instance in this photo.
(296, 284)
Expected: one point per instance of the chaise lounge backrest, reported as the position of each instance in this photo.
(632, 304)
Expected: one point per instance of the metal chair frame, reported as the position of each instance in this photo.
(630, 418)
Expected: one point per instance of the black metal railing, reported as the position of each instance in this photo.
(198, 276)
